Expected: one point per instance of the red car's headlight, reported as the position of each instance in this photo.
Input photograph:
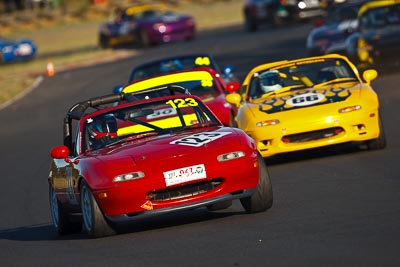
(128, 176)
(230, 156)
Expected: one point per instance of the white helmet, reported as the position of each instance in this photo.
(270, 81)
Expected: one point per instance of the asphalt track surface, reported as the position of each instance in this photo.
(335, 207)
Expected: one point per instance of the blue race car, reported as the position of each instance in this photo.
(331, 32)
(16, 50)
(377, 40)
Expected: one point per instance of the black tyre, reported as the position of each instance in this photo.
(94, 223)
(262, 199)
(144, 38)
(277, 21)
(104, 42)
(250, 24)
(60, 218)
(380, 142)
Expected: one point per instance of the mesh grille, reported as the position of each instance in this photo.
(184, 191)
(310, 136)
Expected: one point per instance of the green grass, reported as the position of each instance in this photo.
(75, 42)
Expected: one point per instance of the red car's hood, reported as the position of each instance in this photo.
(215, 102)
(154, 149)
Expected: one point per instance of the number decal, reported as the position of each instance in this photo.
(207, 83)
(305, 99)
(201, 61)
(199, 139)
(182, 102)
(161, 113)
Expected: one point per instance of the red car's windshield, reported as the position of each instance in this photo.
(138, 121)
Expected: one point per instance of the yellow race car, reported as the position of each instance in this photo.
(306, 103)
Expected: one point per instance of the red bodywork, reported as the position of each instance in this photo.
(225, 112)
(154, 156)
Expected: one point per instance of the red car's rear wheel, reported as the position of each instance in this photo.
(60, 218)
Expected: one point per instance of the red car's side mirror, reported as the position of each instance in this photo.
(60, 152)
(232, 87)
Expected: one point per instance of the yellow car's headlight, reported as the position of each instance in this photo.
(267, 123)
(350, 109)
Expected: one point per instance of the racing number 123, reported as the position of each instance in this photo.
(182, 103)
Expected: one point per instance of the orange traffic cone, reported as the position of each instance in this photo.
(50, 69)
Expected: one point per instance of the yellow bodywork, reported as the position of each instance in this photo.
(166, 123)
(376, 4)
(142, 8)
(342, 112)
(203, 76)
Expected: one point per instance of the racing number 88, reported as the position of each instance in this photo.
(182, 103)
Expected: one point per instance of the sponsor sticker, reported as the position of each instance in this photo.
(162, 113)
(147, 205)
(199, 139)
(185, 174)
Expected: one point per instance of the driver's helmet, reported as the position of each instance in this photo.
(102, 130)
(270, 81)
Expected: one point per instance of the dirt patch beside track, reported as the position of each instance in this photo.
(74, 44)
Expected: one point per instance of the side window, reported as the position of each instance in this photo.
(85, 144)
(77, 142)
(255, 89)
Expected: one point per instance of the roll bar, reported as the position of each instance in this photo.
(76, 111)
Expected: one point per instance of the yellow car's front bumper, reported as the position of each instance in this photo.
(316, 130)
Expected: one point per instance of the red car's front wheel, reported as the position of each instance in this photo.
(262, 199)
(94, 223)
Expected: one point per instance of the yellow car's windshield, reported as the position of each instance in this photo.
(298, 75)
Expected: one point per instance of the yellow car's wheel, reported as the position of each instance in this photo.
(380, 142)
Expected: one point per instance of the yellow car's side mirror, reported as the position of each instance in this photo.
(233, 98)
(369, 75)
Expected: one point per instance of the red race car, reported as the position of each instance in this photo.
(203, 82)
(146, 157)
